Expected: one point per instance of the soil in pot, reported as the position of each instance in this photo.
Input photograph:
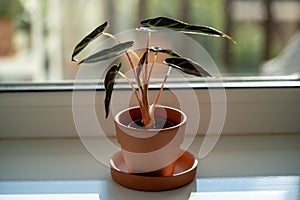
(159, 124)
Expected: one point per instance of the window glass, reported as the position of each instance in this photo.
(38, 36)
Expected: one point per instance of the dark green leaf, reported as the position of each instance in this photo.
(108, 53)
(86, 40)
(187, 66)
(176, 25)
(158, 49)
(140, 66)
(109, 83)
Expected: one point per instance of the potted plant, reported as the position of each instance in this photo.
(150, 135)
(10, 12)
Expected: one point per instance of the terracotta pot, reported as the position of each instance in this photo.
(151, 152)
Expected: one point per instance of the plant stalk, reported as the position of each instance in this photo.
(132, 67)
(161, 88)
(147, 117)
(132, 87)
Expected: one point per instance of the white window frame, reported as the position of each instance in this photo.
(45, 110)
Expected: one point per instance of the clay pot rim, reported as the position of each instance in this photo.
(183, 121)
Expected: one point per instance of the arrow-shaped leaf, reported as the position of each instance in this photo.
(187, 66)
(108, 53)
(159, 49)
(86, 40)
(176, 25)
(109, 83)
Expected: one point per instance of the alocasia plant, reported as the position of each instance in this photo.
(143, 69)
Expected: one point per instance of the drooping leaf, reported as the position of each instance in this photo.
(176, 25)
(109, 83)
(140, 67)
(86, 40)
(187, 66)
(108, 53)
(159, 49)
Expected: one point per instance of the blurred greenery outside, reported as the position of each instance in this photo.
(78, 17)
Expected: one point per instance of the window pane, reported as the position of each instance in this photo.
(38, 36)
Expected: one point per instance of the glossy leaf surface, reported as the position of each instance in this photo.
(176, 25)
(86, 40)
(187, 66)
(108, 53)
(109, 83)
(158, 49)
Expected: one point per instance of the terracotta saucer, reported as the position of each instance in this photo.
(185, 172)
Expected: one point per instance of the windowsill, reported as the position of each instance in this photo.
(266, 188)
(40, 148)
(237, 164)
(67, 159)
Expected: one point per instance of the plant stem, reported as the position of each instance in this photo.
(132, 87)
(152, 66)
(131, 65)
(162, 87)
(146, 118)
(134, 54)
(146, 86)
